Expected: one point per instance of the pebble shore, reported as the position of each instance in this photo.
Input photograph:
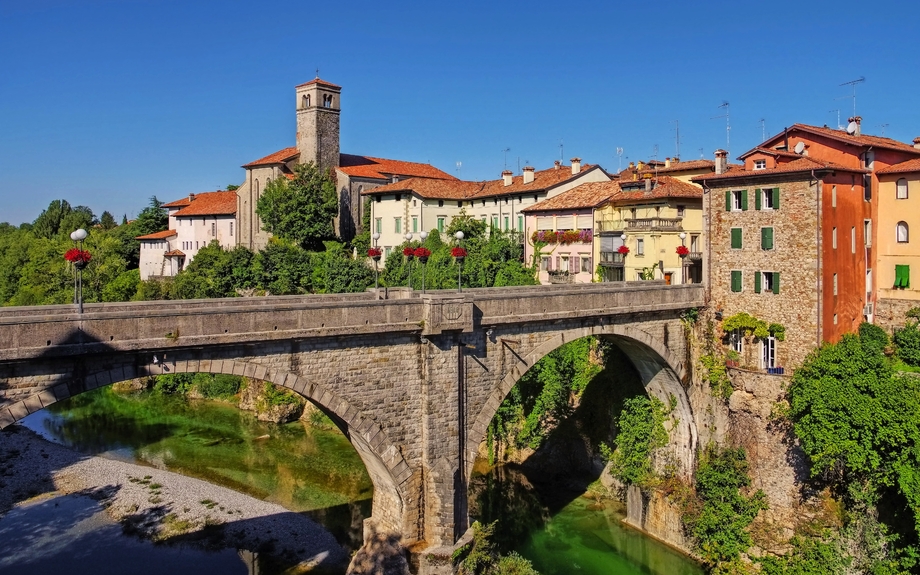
(161, 505)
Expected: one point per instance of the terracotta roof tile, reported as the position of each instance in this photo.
(174, 253)
(842, 136)
(802, 164)
(902, 168)
(157, 235)
(771, 152)
(542, 180)
(587, 195)
(383, 169)
(178, 203)
(279, 157)
(666, 187)
(429, 188)
(320, 82)
(210, 204)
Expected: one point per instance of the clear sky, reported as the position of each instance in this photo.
(108, 102)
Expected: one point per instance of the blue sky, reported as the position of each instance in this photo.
(108, 102)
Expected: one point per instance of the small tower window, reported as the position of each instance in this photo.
(327, 101)
(305, 101)
(903, 235)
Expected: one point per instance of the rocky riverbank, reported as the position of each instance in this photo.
(160, 505)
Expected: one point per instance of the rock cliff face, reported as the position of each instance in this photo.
(253, 398)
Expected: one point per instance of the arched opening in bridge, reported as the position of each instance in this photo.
(188, 423)
(543, 470)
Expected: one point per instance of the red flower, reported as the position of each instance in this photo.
(683, 250)
(76, 255)
(422, 252)
(408, 252)
(458, 252)
(374, 253)
(623, 250)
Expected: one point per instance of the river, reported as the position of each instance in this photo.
(314, 470)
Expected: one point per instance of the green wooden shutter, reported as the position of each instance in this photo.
(902, 276)
(736, 281)
(757, 281)
(728, 201)
(775, 282)
(757, 193)
(775, 198)
(766, 238)
(744, 203)
(736, 238)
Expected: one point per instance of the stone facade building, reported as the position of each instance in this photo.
(898, 259)
(194, 222)
(318, 110)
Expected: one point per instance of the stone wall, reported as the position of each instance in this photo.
(891, 313)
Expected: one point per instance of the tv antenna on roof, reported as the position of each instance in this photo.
(763, 130)
(728, 124)
(561, 151)
(619, 160)
(839, 125)
(883, 126)
(677, 136)
(459, 165)
(853, 83)
(505, 152)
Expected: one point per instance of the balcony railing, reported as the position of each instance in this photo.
(560, 277)
(695, 255)
(640, 225)
(612, 259)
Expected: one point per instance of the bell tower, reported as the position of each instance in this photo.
(318, 108)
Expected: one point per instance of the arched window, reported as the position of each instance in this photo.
(255, 189)
(903, 233)
(327, 101)
(902, 189)
(305, 101)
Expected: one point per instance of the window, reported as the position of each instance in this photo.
(902, 189)
(766, 238)
(834, 238)
(835, 284)
(520, 226)
(736, 280)
(902, 277)
(736, 238)
(853, 239)
(565, 264)
(736, 340)
(387, 251)
(834, 196)
(640, 247)
(397, 225)
(507, 223)
(586, 264)
(767, 199)
(736, 201)
(680, 211)
(760, 164)
(441, 224)
(440, 203)
(835, 319)
(768, 347)
(231, 229)
(460, 204)
(867, 233)
(305, 101)
(867, 187)
(903, 233)
(545, 264)
(632, 213)
(378, 225)
(766, 282)
(213, 229)
(694, 243)
(414, 224)
(495, 222)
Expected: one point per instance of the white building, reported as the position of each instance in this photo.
(194, 222)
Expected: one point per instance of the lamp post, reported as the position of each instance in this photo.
(683, 260)
(459, 236)
(376, 276)
(78, 236)
(409, 237)
(423, 236)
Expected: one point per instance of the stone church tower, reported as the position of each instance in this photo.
(318, 110)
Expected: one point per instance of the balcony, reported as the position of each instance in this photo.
(561, 277)
(612, 259)
(695, 256)
(654, 225)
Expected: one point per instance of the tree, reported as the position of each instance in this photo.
(641, 432)
(300, 211)
(232, 188)
(153, 218)
(107, 221)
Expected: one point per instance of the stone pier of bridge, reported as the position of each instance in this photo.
(413, 380)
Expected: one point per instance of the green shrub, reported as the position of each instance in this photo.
(174, 383)
(218, 386)
(809, 556)
(873, 337)
(907, 342)
(274, 395)
(641, 432)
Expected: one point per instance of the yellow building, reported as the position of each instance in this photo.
(651, 217)
(897, 255)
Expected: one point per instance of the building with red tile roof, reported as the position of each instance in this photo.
(194, 222)
(317, 110)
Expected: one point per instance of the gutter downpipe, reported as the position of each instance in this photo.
(707, 191)
(818, 250)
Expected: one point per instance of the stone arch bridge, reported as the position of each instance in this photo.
(412, 379)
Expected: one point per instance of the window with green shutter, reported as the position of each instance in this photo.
(901, 276)
(736, 238)
(744, 200)
(757, 276)
(775, 282)
(775, 195)
(757, 194)
(736, 280)
(766, 238)
(728, 201)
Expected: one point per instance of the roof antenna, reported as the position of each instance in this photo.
(459, 171)
(619, 160)
(505, 152)
(317, 73)
(561, 151)
(701, 153)
(763, 130)
(883, 126)
(728, 125)
(677, 136)
(839, 126)
(853, 83)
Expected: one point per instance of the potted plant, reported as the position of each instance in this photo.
(458, 253)
(422, 254)
(683, 251)
(408, 252)
(732, 358)
(623, 250)
(79, 258)
(374, 254)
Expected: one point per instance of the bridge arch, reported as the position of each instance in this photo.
(662, 374)
(385, 464)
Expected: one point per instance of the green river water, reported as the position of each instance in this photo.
(314, 470)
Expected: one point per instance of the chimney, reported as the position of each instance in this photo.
(917, 142)
(632, 166)
(528, 174)
(576, 165)
(640, 165)
(675, 160)
(506, 176)
(556, 164)
(721, 161)
(191, 197)
(858, 121)
(667, 162)
(648, 183)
